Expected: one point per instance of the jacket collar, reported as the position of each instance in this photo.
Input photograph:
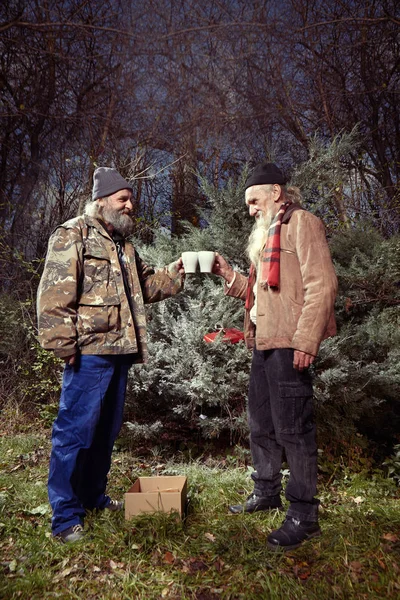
(289, 211)
(98, 225)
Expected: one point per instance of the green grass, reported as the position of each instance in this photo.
(210, 555)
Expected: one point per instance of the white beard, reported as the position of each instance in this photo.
(258, 237)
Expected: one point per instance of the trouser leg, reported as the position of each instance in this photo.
(265, 450)
(94, 462)
(293, 418)
(84, 388)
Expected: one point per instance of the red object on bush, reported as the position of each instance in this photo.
(230, 335)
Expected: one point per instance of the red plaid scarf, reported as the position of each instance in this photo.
(270, 258)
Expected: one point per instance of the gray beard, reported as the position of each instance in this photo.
(258, 237)
(122, 223)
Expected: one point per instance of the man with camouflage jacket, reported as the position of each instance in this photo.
(91, 314)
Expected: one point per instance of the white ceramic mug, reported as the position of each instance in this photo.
(206, 260)
(190, 260)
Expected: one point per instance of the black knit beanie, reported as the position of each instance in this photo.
(266, 173)
(107, 181)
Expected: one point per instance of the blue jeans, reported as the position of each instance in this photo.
(281, 417)
(88, 422)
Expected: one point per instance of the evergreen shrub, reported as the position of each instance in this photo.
(199, 390)
(29, 376)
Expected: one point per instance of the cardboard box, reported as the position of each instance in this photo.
(153, 494)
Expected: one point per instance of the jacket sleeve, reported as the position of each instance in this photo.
(238, 288)
(319, 283)
(58, 293)
(158, 284)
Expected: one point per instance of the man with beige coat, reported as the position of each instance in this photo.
(289, 301)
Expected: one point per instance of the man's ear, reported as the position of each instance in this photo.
(277, 192)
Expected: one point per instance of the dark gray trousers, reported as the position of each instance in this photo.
(281, 417)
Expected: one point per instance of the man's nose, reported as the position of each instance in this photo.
(252, 211)
(129, 205)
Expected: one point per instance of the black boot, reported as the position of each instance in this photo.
(292, 534)
(255, 503)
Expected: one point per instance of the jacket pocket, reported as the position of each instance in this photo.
(98, 284)
(93, 319)
(296, 412)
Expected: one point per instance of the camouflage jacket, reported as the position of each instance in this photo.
(82, 304)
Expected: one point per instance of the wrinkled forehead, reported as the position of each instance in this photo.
(257, 192)
(124, 194)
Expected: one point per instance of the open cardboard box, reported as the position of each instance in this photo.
(153, 494)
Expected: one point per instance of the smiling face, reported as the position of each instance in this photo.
(116, 211)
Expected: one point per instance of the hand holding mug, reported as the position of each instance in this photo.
(176, 267)
(222, 268)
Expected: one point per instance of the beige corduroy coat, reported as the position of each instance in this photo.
(301, 313)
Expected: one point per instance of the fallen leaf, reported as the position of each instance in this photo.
(390, 537)
(12, 566)
(169, 558)
(354, 576)
(42, 509)
(135, 547)
(63, 574)
(113, 565)
(382, 564)
(348, 304)
(302, 571)
(358, 500)
(20, 466)
(337, 589)
(218, 565)
(96, 569)
(356, 566)
(195, 565)
(210, 537)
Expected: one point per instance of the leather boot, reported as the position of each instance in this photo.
(292, 534)
(256, 503)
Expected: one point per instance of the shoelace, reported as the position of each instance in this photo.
(77, 528)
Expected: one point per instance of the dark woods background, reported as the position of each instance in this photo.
(184, 96)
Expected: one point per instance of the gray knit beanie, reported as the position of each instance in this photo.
(107, 181)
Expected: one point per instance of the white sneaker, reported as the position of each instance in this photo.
(115, 506)
(71, 534)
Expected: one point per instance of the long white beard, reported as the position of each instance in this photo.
(258, 237)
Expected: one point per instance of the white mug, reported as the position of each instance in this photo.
(206, 260)
(190, 261)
